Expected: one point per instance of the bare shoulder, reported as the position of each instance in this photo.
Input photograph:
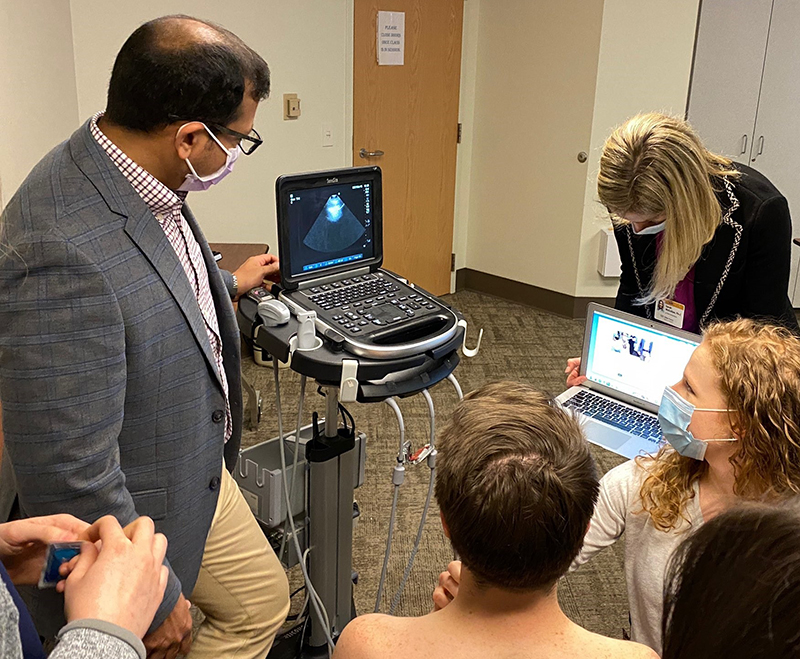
(617, 649)
(603, 647)
(369, 636)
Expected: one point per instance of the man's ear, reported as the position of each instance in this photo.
(189, 138)
(444, 526)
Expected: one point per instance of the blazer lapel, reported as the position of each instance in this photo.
(714, 265)
(222, 300)
(143, 229)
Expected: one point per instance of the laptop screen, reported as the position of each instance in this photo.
(633, 359)
(330, 226)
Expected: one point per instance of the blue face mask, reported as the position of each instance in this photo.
(674, 417)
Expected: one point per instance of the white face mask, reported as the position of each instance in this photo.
(194, 182)
(651, 230)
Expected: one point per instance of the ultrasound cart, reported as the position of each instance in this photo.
(364, 334)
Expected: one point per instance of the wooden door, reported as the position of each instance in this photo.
(410, 112)
(776, 141)
(726, 75)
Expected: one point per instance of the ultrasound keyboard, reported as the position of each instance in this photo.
(365, 304)
(615, 414)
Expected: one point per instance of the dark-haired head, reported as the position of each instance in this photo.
(516, 486)
(733, 587)
(179, 68)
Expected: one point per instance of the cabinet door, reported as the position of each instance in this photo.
(728, 62)
(776, 144)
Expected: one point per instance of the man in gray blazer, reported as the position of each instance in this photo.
(119, 351)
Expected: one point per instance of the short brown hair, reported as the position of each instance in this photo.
(516, 485)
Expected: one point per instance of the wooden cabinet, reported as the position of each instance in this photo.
(744, 99)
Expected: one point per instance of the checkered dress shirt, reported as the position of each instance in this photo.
(166, 205)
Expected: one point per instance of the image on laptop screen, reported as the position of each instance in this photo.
(635, 360)
(330, 226)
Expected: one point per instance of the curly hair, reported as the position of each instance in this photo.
(759, 368)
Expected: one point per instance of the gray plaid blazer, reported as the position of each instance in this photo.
(111, 400)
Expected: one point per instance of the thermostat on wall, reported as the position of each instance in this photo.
(608, 263)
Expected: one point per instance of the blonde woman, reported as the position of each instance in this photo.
(732, 424)
(693, 227)
(700, 237)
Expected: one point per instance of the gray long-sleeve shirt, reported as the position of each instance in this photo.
(89, 639)
(647, 550)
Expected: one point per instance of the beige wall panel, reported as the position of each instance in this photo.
(534, 97)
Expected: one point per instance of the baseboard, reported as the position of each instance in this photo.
(533, 296)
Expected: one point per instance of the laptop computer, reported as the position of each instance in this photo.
(330, 229)
(628, 361)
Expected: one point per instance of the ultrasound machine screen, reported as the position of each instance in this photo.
(330, 226)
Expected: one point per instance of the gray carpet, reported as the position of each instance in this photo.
(519, 343)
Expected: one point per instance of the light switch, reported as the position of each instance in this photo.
(327, 134)
(291, 106)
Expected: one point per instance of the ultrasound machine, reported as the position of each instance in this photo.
(363, 334)
(330, 227)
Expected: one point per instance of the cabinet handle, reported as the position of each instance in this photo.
(760, 145)
(744, 144)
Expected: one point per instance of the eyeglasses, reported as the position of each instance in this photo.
(247, 143)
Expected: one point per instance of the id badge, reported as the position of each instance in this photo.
(670, 312)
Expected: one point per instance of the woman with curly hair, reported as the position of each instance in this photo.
(732, 427)
(731, 424)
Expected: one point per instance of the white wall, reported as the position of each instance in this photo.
(645, 63)
(38, 100)
(534, 96)
(307, 44)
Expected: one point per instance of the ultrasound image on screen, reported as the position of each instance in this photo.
(335, 228)
(330, 226)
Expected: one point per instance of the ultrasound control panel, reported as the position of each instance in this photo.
(364, 304)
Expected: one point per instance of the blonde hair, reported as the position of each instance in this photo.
(655, 164)
(759, 369)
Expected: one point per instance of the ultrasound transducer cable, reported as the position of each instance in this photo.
(316, 601)
(432, 465)
(456, 386)
(293, 479)
(398, 475)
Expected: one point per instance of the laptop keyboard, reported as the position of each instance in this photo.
(615, 414)
(365, 303)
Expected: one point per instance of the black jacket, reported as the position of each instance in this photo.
(743, 271)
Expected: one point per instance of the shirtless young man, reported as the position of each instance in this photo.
(516, 487)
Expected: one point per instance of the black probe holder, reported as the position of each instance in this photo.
(378, 379)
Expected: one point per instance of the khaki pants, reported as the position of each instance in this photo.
(241, 588)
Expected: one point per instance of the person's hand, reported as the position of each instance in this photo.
(255, 270)
(23, 543)
(573, 370)
(447, 589)
(123, 581)
(174, 636)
